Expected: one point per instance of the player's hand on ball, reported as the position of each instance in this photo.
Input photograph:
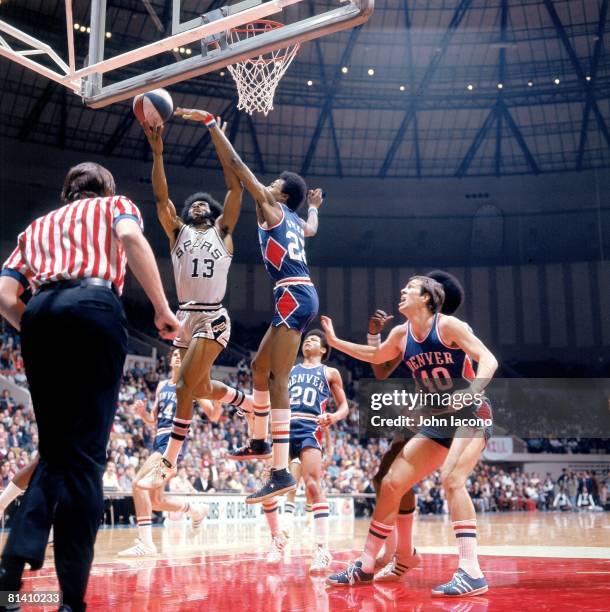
(328, 329)
(315, 198)
(154, 135)
(194, 114)
(378, 321)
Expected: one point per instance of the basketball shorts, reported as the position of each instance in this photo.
(301, 440)
(444, 435)
(296, 306)
(161, 442)
(208, 324)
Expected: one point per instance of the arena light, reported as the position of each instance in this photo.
(108, 34)
(370, 71)
(556, 80)
(470, 87)
(345, 70)
(222, 73)
(77, 26)
(588, 77)
(500, 85)
(530, 83)
(309, 83)
(402, 88)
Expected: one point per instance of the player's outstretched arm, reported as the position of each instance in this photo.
(377, 321)
(456, 332)
(314, 201)
(388, 350)
(232, 205)
(166, 211)
(269, 208)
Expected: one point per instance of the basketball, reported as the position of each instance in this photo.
(153, 107)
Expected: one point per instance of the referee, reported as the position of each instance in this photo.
(73, 330)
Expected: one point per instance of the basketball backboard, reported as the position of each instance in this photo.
(217, 48)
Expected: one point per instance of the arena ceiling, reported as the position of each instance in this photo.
(460, 88)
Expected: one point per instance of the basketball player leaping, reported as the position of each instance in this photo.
(145, 501)
(201, 244)
(282, 238)
(311, 384)
(435, 348)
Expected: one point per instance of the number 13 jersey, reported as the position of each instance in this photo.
(201, 266)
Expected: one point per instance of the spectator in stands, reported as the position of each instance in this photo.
(110, 479)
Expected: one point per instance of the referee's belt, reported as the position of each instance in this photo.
(77, 282)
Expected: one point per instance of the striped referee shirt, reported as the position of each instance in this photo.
(72, 242)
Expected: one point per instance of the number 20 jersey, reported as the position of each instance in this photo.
(283, 247)
(201, 265)
(309, 393)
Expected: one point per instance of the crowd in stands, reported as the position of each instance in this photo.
(205, 467)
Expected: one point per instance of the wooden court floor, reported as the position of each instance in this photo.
(541, 561)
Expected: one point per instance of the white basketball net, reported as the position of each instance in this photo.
(257, 78)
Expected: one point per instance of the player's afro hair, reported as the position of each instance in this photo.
(454, 292)
(295, 188)
(201, 196)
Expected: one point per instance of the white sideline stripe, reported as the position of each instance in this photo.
(564, 552)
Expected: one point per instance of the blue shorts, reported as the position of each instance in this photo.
(161, 442)
(301, 441)
(444, 435)
(296, 306)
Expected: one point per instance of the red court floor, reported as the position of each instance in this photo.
(245, 582)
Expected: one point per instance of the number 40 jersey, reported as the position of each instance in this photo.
(201, 265)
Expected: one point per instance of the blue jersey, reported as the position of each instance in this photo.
(309, 393)
(166, 407)
(283, 247)
(433, 364)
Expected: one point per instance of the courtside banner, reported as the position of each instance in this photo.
(233, 508)
(523, 407)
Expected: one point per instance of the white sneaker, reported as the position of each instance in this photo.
(277, 548)
(396, 570)
(322, 560)
(197, 513)
(140, 549)
(158, 475)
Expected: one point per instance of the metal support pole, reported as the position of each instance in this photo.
(93, 83)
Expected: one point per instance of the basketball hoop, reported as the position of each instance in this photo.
(257, 78)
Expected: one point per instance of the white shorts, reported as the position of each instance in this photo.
(208, 324)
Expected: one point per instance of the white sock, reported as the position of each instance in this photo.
(236, 397)
(404, 533)
(320, 523)
(280, 433)
(9, 494)
(261, 402)
(180, 429)
(289, 508)
(466, 536)
(145, 530)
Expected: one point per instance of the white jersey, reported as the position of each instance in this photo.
(201, 266)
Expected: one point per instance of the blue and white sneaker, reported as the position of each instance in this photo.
(279, 483)
(461, 585)
(352, 576)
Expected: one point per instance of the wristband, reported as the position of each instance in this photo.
(373, 339)
(312, 209)
(211, 122)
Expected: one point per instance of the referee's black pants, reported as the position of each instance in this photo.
(74, 343)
